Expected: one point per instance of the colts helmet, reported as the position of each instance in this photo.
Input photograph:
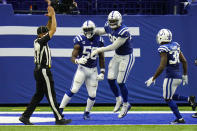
(114, 19)
(164, 35)
(88, 29)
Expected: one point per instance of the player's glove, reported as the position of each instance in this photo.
(185, 79)
(100, 77)
(149, 82)
(95, 52)
(81, 61)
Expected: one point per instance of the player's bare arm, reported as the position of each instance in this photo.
(184, 62)
(75, 53)
(162, 65)
(52, 24)
(102, 62)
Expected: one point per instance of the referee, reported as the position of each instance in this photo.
(42, 73)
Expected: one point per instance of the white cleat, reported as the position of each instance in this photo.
(125, 108)
(118, 105)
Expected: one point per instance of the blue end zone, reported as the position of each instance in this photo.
(102, 119)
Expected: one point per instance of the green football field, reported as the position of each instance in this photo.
(100, 127)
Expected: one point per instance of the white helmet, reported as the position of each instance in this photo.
(114, 19)
(88, 28)
(164, 35)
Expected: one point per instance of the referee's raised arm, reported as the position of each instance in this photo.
(52, 24)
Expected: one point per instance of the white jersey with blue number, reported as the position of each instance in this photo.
(172, 50)
(86, 48)
(122, 32)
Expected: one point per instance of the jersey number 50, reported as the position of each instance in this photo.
(87, 51)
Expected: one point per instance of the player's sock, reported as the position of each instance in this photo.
(178, 97)
(174, 108)
(114, 87)
(66, 99)
(124, 92)
(90, 103)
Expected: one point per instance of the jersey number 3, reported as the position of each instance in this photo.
(175, 55)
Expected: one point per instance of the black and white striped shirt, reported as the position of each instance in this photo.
(42, 53)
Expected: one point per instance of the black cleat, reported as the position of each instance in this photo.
(192, 102)
(178, 121)
(86, 115)
(25, 120)
(194, 115)
(63, 122)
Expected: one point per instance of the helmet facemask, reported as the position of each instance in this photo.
(88, 32)
(88, 29)
(114, 19)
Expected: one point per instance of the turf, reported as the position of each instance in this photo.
(103, 127)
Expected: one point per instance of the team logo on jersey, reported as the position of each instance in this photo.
(83, 42)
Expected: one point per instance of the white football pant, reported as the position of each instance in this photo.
(169, 87)
(120, 67)
(87, 75)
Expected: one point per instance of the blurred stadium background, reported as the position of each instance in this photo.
(20, 18)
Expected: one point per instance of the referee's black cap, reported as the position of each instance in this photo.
(42, 29)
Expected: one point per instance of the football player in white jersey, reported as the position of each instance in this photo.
(87, 66)
(122, 62)
(171, 56)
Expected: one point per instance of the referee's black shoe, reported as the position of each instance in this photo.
(63, 122)
(192, 102)
(25, 120)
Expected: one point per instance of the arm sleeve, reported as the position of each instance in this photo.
(77, 40)
(116, 44)
(101, 42)
(163, 49)
(43, 40)
(100, 31)
(124, 33)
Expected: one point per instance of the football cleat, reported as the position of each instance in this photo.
(25, 120)
(194, 115)
(63, 122)
(86, 115)
(118, 105)
(125, 108)
(178, 121)
(192, 102)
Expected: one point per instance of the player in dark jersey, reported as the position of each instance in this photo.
(87, 66)
(121, 63)
(171, 56)
(42, 73)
